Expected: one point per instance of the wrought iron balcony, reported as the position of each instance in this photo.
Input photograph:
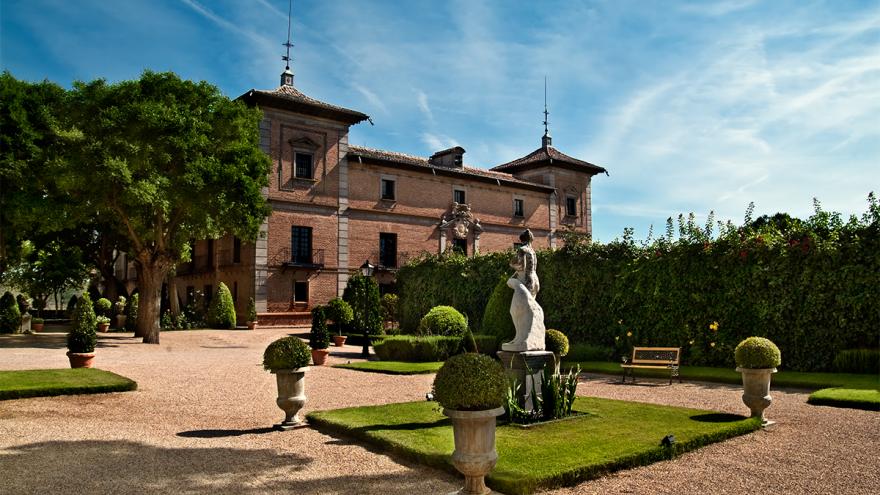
(313, 260)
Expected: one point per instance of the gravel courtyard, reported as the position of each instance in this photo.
(200, 422)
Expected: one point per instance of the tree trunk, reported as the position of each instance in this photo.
(151, 273)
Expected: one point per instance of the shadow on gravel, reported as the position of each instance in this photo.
(224, 433)
(129, 467)
(717, 418)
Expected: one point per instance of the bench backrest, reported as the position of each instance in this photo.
(656, 355)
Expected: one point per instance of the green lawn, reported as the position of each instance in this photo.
(39, 383)
(845, 397)
(613, 435)
(796, 379)
(393, 367)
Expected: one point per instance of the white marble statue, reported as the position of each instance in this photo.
(528, 317)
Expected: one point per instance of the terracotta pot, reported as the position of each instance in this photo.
(251, 325)
(474, 455)
(81, 359)
(291, 396)
(103, 327)
(319, 356)
(756, 391)
(37, 327)
(339, 340)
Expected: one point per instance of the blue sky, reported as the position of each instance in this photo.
(691, 106)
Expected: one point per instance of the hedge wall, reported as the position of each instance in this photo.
(811, 286)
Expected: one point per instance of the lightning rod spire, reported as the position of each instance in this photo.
(287, 75)
(546, 140)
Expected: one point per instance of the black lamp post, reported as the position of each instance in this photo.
(367, 270)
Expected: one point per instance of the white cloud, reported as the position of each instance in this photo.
(371, 97)
(437, 142)
(422, 100)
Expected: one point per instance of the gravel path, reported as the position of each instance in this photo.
(200, 422)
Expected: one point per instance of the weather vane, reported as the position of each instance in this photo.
(546, 113)
(288, 44)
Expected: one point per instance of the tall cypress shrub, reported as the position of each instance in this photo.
(221, 314)
(10, 316)
(82, 336)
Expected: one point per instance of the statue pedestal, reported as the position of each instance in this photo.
(527, 368)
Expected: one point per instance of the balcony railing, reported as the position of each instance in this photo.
(312, 261)
(389, 261)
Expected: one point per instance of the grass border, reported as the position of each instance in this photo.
(123, 384)
(520, 486)
(380, 367)
(818, 398)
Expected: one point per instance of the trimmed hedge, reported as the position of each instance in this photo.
(414, 349)
(809, 285)
(858, 361)
(10, 315)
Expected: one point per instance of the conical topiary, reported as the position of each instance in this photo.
(82, 336)
(319, 337)
(221, 314)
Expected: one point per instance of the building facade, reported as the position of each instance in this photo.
(336, 206)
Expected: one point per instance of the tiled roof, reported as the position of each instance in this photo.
(293, 99)
(418, 161)
(545, 156)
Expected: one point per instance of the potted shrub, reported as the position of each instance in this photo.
(120, 313)
(103, 323)
(37, 324)
(557, 343)
(103, 307)
(340, 313)
(471, 388)
(757, 359)
(81, 339)
(251, 314)
(319, 337)
(288, 359)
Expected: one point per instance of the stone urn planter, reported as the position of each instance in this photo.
(475, 454)
(319, 356)
(81, 359)
(291, 396)
(339, 340)
(756, 391)
(251, 325)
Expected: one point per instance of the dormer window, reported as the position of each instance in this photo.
(518, 208)
(388, 189)
(303, 164)
(458, 196)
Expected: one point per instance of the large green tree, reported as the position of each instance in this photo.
(29, 144)
(168, 160)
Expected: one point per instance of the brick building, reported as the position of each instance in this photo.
(335, 206)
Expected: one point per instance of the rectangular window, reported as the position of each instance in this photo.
(518, 210)
(459, 246)
(570, 206)
(301, 244)
(388, 250)
(458, 196)
(210, 262)
(387, 189)
(209, 294)
(301, 292)
(302, 165)
(236, 250)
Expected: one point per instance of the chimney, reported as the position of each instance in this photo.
(450, 158)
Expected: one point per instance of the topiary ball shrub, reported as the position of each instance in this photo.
(286, 354)
(496, 318)
(319, 337)
(103, 306)
(340, 313)
(10, 316)
(221, 314)
(556, 342)
(470, 382)
(757, 353)
(443, 320)
(82, 336)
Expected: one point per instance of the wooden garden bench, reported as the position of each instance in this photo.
(657, 358)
